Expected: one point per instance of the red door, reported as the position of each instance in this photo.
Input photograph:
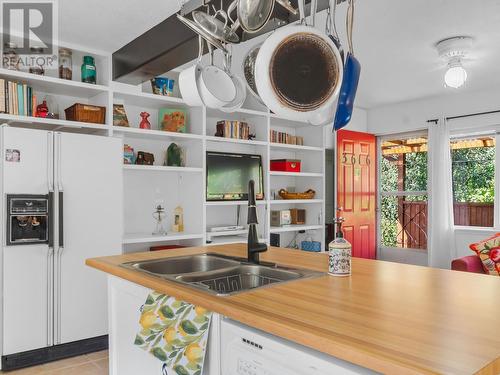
(356, 194)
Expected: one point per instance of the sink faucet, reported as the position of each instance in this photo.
(254, 247)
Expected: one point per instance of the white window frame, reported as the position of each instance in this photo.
(496, 202)
(381, 194)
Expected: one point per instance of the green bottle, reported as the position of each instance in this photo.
(88, 70)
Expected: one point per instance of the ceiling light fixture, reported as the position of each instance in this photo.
(453, 51)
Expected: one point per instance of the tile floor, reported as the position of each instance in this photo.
(88, 364)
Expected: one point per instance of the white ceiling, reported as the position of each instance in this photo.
(394, 40)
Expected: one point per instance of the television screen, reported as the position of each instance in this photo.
(228, 175)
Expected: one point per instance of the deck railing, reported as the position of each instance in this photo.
(412, 218)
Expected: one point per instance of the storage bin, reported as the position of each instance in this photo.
(86, 113)
(285, 165)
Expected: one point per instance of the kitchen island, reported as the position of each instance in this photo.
(387, 317)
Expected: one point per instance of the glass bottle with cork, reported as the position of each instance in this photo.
(89, 73)
(339, 253)
(65, 63)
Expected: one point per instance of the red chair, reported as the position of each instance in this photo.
(470, 263)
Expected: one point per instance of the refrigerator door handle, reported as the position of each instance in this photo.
(50, 161)
(59, 157)
(61, 220)
(51, 219)
(50, 295)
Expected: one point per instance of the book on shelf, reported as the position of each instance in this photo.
(285, 138)
(17, 98)
(232, 129)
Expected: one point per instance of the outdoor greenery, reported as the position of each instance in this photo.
(473, 171)
(474, 174)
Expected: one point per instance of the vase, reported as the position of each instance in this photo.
(145, 124)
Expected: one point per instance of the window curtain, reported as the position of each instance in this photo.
(441, 239)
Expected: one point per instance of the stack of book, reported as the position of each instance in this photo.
(17, 98)
(281, 137)
(233, 129)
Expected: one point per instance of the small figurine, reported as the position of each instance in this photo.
(42, 109)
(145, 124)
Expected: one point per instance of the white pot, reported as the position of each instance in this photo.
(320, 114)
(217, 89)
(188, 85)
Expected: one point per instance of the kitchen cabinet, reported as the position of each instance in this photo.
(233, 348)
(125, 300)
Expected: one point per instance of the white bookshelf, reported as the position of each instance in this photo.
(295, 201)
(145, 186)
(296, 174)
(138, 238)
(160, 168)
(295, 228)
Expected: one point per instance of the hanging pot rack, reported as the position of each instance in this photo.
(170, 44)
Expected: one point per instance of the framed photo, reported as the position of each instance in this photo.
(172, 120)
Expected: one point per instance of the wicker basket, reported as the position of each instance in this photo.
(86, 113)
(309, 194)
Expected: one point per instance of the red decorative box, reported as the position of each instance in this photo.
(285, 165)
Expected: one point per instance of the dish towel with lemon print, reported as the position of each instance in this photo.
(175, 332)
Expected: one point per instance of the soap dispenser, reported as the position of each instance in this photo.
(339, 253)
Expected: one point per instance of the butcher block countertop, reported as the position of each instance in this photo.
(392, 318)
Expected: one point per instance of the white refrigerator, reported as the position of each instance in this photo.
(49, 296)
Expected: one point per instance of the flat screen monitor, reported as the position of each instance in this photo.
(228, 175)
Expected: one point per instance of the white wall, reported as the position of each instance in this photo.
(408, 116)
(411, 116)
(359, 122)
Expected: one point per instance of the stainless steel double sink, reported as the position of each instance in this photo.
(219, 274)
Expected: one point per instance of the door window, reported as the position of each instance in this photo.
(403, 190)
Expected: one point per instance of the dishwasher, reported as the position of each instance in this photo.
(247, 351)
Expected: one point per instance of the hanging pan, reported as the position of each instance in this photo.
(253, 15)
(352, 71)
(298, 71)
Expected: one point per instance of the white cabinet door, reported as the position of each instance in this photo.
(89, 176)
(125, 358)
(25, 298)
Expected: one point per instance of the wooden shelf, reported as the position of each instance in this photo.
(295, 147)
(295, 228)
(53, 85)
(295, 201)
(161, 168)
(296, 174)
(50, 124)
(135, 238)
(153, 134)
(235, 140)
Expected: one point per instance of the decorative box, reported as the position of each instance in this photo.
(279, 218)
(298, 216)
(144, 158)
(311, 246)
(285, 165)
